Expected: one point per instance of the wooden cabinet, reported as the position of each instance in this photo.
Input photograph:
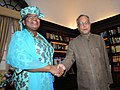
(110, 30)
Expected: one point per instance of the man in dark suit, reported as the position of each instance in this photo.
(89, 52)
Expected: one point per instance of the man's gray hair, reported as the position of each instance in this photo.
(77, 20)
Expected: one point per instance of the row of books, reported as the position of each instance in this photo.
(59, 46)
(112, 40)
(114, 31)
(115, 40)
(116, 69)
(58, 60)
(115, 49)
(116, 58)
(110, 32)
(58, 37)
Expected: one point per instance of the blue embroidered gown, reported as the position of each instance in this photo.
(26, 52)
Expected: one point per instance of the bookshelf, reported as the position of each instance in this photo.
(59, 37)
(112, 40)
(109, 29)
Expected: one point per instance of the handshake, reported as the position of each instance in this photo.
(57, 70)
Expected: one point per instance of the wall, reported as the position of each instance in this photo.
(65, 12)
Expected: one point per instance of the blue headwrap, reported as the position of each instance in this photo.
(29, 10)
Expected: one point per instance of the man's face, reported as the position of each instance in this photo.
(84, 25)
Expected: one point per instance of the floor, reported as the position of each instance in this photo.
(69, 83)
(67, 88)
(77, 89)
(117, 88)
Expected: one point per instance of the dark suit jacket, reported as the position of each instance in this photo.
(93, 69)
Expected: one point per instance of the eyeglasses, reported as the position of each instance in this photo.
(84, 23)
(32, 17)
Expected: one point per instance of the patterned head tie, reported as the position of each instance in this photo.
(29, 10)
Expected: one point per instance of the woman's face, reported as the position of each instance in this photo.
(32, 22)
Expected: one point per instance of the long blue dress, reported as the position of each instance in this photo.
(26, 52)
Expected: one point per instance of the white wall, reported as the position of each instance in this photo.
(65, 12)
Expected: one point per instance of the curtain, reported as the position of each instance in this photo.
(15, 25)
(7, 24)
(4, 29)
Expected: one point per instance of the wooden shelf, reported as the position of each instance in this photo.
(110, 30)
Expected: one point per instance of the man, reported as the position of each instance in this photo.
(89, 52)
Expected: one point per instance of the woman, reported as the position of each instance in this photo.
(31, 55)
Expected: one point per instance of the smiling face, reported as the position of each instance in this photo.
(31, 22)
(84, 25)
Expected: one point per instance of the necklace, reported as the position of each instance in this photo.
(33, 34)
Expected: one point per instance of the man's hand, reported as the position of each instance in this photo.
(61, 66)
(61, 69)
(57, 70)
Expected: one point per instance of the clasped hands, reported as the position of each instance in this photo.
(57, 70)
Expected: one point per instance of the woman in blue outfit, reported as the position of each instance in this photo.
(31, 55)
